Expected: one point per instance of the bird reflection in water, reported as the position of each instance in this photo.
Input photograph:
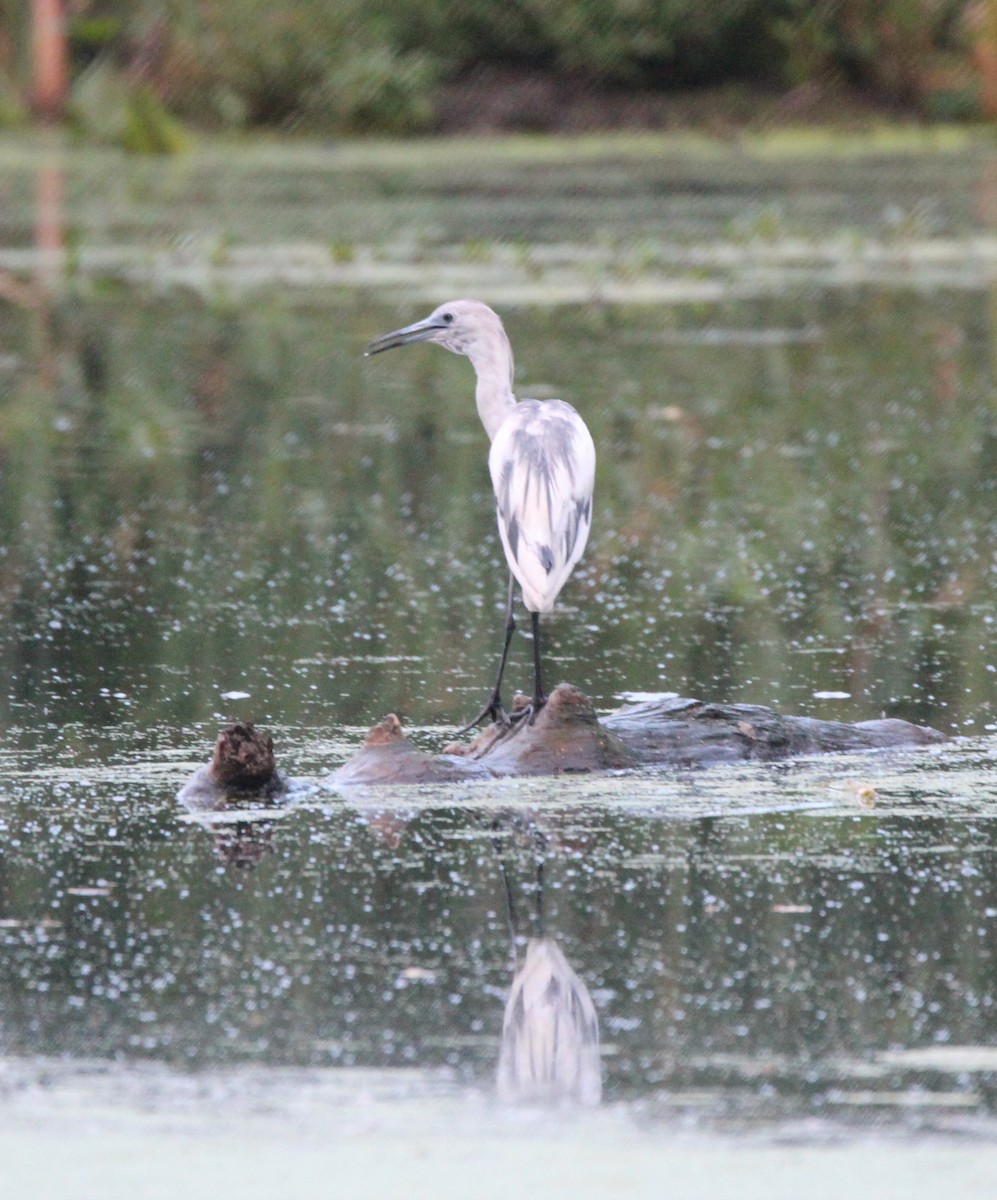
(550, 1031)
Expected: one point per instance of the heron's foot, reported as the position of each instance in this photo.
(494, 712)
(524, 712)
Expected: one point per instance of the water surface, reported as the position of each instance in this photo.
(213, 508)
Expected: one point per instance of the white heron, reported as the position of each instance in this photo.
(542, 464)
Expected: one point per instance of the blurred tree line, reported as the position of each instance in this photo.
(378, 65)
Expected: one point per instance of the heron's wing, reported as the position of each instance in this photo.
(542, 464)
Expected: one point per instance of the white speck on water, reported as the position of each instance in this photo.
(235, 695)
(832, 695)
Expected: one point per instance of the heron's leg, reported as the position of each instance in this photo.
(539, 699)
(493, 708)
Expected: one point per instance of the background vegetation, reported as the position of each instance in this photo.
(385, 65)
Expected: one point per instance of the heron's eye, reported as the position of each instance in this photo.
(448, 318)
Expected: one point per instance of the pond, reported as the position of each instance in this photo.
(213, 508)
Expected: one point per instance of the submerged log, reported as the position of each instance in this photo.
(567, 736)
(243, 768)
(679, 732)
(387, 756)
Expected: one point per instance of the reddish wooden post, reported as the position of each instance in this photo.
(982, 22)
(48, 46)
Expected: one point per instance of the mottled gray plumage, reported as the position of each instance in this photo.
(542, 466)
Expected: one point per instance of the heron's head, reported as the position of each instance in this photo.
(461, 326)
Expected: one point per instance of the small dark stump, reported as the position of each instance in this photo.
(243, 768)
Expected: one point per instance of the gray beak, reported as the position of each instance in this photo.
(421, 331)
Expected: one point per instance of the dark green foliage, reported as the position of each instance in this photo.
(149, 128)
(315, 65)
(349, 66)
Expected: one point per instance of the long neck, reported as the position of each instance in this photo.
(492, 362)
